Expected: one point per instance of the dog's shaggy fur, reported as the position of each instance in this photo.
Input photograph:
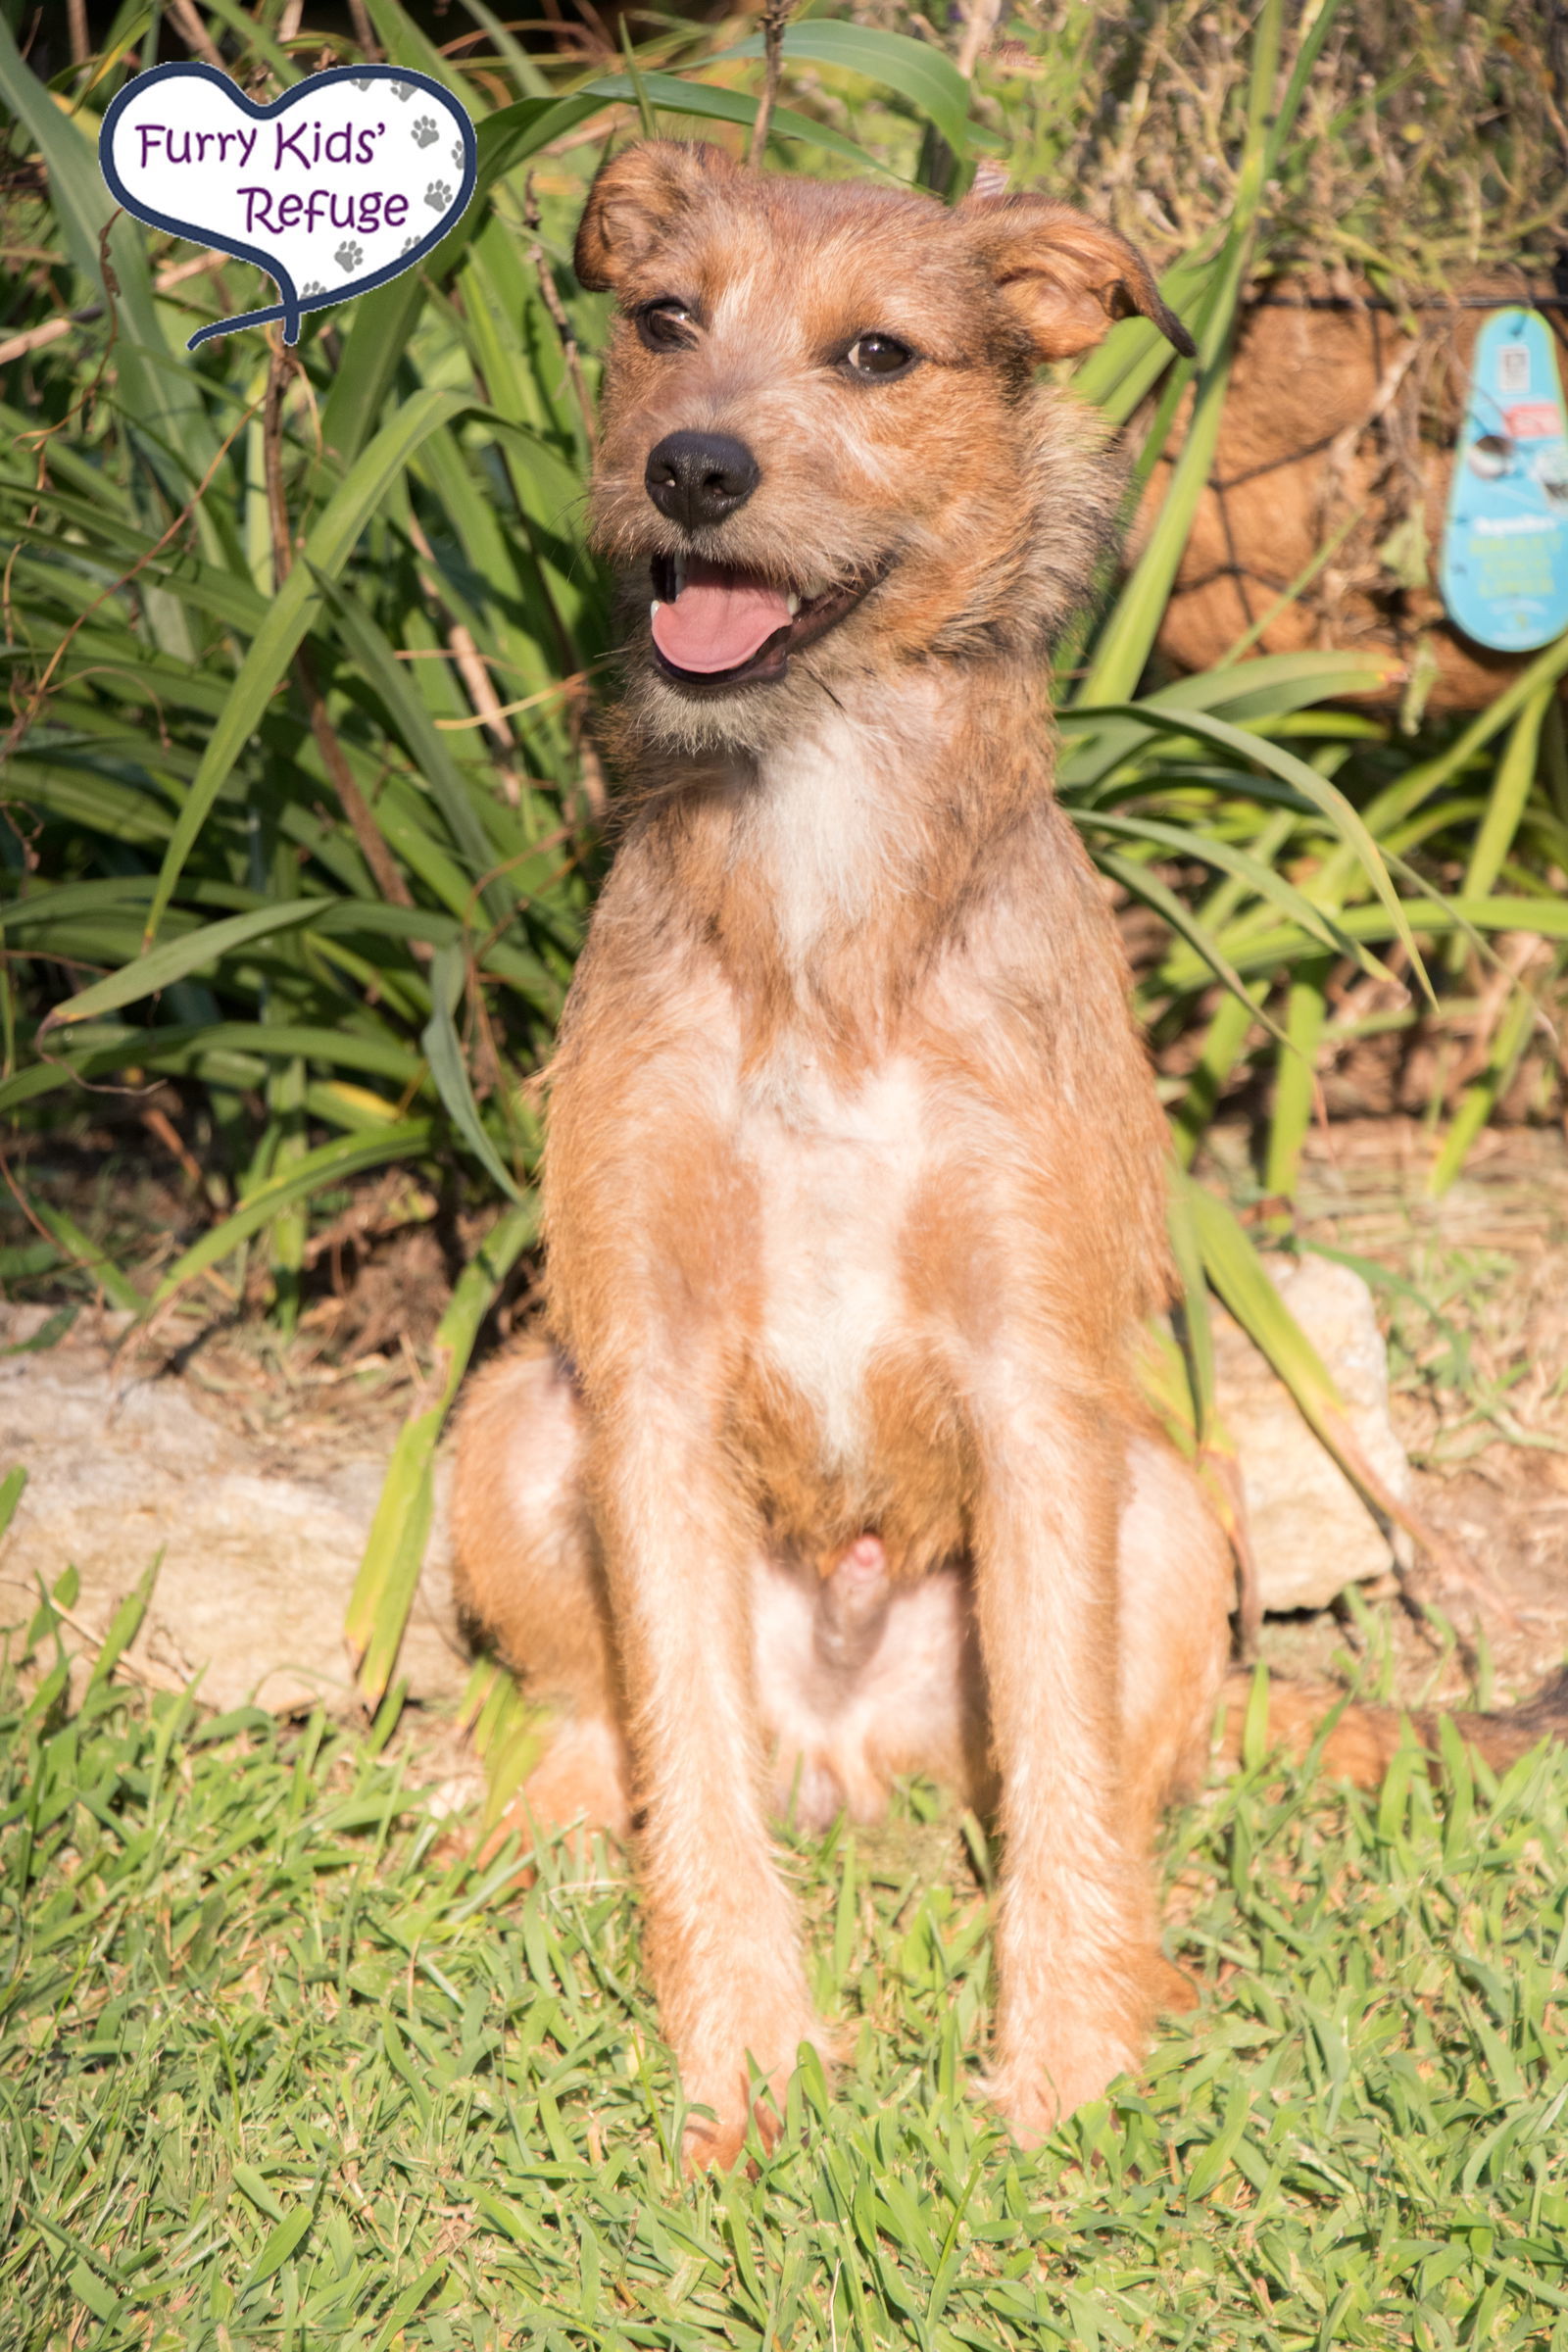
(833, 1467)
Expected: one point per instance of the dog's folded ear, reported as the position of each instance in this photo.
(1067, 277)
(634, 202)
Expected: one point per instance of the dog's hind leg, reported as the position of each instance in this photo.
(1176, 1588)
(1363, 1739)
(527, 1575)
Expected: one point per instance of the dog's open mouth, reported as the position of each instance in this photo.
(717, 625)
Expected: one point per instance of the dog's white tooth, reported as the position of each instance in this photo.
(792, 603)
(652, 607)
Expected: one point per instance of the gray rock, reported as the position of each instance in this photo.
(257, 1565)
(1312, 1533)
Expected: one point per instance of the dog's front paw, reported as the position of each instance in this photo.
(727, 2095)
(1171, 1991)
(1035, 2092)
(713, 2139)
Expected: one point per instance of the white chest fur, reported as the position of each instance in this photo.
(827, 824)
(827, 821)
(836, 1169)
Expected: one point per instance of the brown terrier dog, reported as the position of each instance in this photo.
(834, 1468)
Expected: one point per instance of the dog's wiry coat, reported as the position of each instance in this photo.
(856, 1173)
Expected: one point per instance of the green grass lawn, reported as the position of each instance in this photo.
(276, 2072)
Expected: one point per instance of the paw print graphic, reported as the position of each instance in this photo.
(403, 89)
(363, 83)
(407, 242)
(313, 285)
(457, 155)
(349, 256)
(424, 130)
(438, 195)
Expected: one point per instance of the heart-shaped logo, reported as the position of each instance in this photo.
(345, 181)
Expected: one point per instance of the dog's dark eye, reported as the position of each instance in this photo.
(879, 355)
(665, 324)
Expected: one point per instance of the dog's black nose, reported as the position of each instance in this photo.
(698, 478)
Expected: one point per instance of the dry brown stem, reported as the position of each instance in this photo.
(470, 667)
(37, 338)
(363, 33)
(775, 16)
(194, 33)
(550, 296)
(979, 26)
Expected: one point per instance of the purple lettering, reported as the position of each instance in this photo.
(146, 132)
(258, 208)
(290, 210)
(397, 210)
(288, 143)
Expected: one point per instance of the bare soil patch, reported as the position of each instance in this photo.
(1473, 1292)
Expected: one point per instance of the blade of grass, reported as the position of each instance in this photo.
(1505, 805)
(1228, 1031)
(915, 70)
(327, 548)
(13, 1486)
(152, 384)
(328, 1165)
(1125, 642)
(640, 97)
(192, 951)
(394, 1554)
(88, 1256)
(444, 1052)
(671, 96)
(1296, 1075)
(1330, 803)
(1479, 1099)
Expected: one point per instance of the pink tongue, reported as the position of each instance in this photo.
(720, 619)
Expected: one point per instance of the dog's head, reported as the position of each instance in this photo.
(823, 451)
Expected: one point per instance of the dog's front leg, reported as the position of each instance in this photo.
(721, 1936)
(1073, 1935)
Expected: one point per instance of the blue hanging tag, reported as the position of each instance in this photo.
(1505, 545)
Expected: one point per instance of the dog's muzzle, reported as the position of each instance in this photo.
(699, 479)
